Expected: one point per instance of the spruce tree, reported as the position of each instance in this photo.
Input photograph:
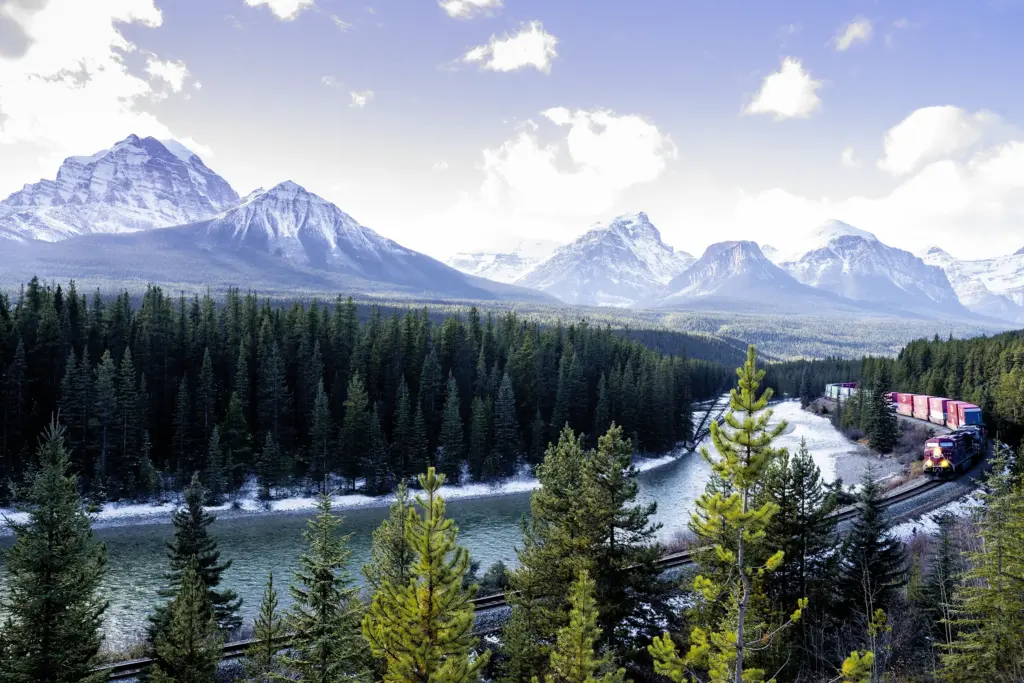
(419, 442)
(452, 445)
(479, 438)
(206, 397)
(262, 659)
(806, 394)
(744, 445)
(379, 477)
(126, 427)
(883, 425)
(573, 657)
(401, 436)
(603, 411)
(192, 542)
(989, 611)
(321, 432)
(214, 477)
(105, 412)
(423, 630)
(326, 610)
(506, 446)
(237, 439)
(188, 650)
(268, 467)
(943, 580)
(355, 431)
(51, 604)
(181, 439)
(873, 566)
(391, 555)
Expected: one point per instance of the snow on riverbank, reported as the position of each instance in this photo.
(247, 504)
(927, 524)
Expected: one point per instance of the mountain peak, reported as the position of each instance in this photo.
(834, 229)
(1019, 252)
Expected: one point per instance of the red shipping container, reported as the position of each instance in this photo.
(968, 414)
(921, 407)
(937, 410)
(905, 404)
(953, 414)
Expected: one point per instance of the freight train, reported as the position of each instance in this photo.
(944, 455)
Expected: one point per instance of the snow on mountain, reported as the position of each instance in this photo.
(504, 266)
(613, 264)
(737, 276)
(138, 184)
(284, 239)
(992, 287)
(855, 264)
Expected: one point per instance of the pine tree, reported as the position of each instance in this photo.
(181, 441)
(275, 399)
(214, 477)
(873, 566)
(603, 412)
(401, 437)
(538, 438)
(355, 431)
(506, 447)
(451, 451)
(188, 650)
(262, 660)
(391, 555)
(621, 544)
(105, 410)
(423, 630)
(806, 394)
(989, 610)
(573, 657)
(943, 580)
(206, 397)
(744, 445)
(418, 444)
(149, 478)
(192, 542)
(479, 438)
(326, 611)
(321, 432)
(237, 439)
(379, 477)
(268, 467)
(51, 604)
(883, 427)
(126, 427)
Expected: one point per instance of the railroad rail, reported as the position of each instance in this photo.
(132, 669)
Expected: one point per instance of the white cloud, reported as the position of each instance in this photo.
(330, 82)
(601, 155)
(172, 73)
(464, 9)
(361, 99)
(71, 91)
(532, 46)
(788, 93)
(859, 30)
(849, 158)
(440, 166)
(342, 25)
(285, 10)
(933, 133)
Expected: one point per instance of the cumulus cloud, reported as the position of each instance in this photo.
(859, 30)
(342, 25)
(788, 93)
(172, 73)
(465, 9)
(532, 46)
(932, 133)
(71, 91)
(849, 158)
(440, 166)
(601, 154)
(360, 99)
(330, 82)
(285, 10)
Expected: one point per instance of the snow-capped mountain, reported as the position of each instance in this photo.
(992, 287)
(854, 264)
(613, 264)
(737, 276)
(506, 265)
(138, 184)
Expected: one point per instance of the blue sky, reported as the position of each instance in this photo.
(458, 124)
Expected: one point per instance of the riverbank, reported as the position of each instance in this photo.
(247, 504)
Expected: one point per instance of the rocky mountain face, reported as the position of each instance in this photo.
(506, 265)
(138, 184)
(737, 276)
(613, 264)
(991, 287)
(856, 265)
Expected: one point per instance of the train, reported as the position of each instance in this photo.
(946, 454)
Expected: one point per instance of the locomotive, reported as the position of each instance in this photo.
(949, 454)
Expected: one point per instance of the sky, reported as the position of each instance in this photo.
(457, 125)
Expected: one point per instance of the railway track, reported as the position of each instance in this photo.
(132, 669)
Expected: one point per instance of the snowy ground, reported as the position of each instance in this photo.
(926, 524)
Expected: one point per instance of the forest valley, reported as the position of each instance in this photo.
(778, 591)
(155, 390)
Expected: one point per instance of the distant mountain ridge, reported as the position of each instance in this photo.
(505, 266)
(613, 264)
(992, 287)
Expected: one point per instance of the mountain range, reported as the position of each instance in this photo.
(148, 211)
(151, 211)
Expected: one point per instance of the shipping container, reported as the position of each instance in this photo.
(937, 410)
(953, 414)
(921, 406)
(969, 414)
(905, 404)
